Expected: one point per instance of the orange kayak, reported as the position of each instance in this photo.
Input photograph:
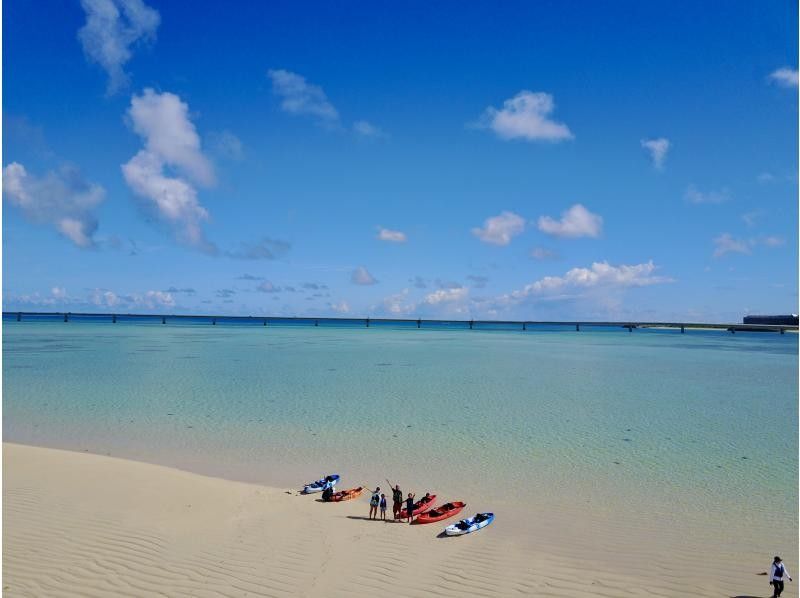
(346, 494)
(443, 512)
(422, 505)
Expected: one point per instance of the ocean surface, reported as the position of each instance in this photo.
(683, 429)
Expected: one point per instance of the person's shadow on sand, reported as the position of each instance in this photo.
(361, 517)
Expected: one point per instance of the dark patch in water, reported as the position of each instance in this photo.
(383, 364)
(627, 439)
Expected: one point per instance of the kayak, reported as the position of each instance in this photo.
(442, 512)
(469, 525)
(346, 494)
(422, 505)
(319, 485)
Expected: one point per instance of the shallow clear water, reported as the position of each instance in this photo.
(694, 426)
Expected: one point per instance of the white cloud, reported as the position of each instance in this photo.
(340, 308)
(576, 222)
(112, 27)
(449, 295)
(392, 236)
(766, 177)
(366, 129)
(362, 276)
(657, 148)
(785, 77)
(726, 243)
(499, 230)
(694, 195)
(600, 275)
(171, 140)
(62, 199)
(398, 304)
(525, 116)
(301, 97)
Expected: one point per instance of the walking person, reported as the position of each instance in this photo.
(383, 507)
(397, 500)
(776, 574)
(410, 506)
(373, 503)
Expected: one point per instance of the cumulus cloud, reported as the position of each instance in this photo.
(298, 96)
(362, 276)
(773, 241)
(264, 249)
(525, 116)
(445, 296)
(62, 199)
(500, 229)
(576, 222)
(657, 148)
(601, 275)
(398, 304)
(339, 308)
(694, 195)
(392, 236)
(162, 120)
(112, 28)
(784, 77)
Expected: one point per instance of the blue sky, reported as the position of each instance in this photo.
(492, 160)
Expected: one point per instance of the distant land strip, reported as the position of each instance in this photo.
(576, 325)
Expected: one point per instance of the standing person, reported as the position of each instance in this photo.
(373, 503)
(410, 506)
(383, 507)
(397, 500)
(776, 574)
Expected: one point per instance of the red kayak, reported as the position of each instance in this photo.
(346, 494)
(443, 512)
(422, 505)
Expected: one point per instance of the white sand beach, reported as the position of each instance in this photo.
(87, 525)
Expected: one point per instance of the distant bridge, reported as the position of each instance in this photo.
(577, 325)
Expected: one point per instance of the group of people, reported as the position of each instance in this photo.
(378, 501)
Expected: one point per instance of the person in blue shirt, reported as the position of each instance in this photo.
(383, 507)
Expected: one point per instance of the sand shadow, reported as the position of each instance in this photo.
(364, 518)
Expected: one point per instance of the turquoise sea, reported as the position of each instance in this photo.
(653, 424)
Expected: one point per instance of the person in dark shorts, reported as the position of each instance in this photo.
(776, 574)
(383, 507)
(397, 500)
(374, 501)
(410, 506)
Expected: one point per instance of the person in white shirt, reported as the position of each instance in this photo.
(776, 574)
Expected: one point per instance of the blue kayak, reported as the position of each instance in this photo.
(319, 485)
(472, 524)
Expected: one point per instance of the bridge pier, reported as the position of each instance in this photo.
(577, 327)
(213, 321)
(367, 322)
(66, 317)
(782, 331)
(19, 319)
(419, 323)
(316, 322)
(524, 327)
(265, 321)
(163, 319)
(682, 330)
(471, 322)
(114, 319)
